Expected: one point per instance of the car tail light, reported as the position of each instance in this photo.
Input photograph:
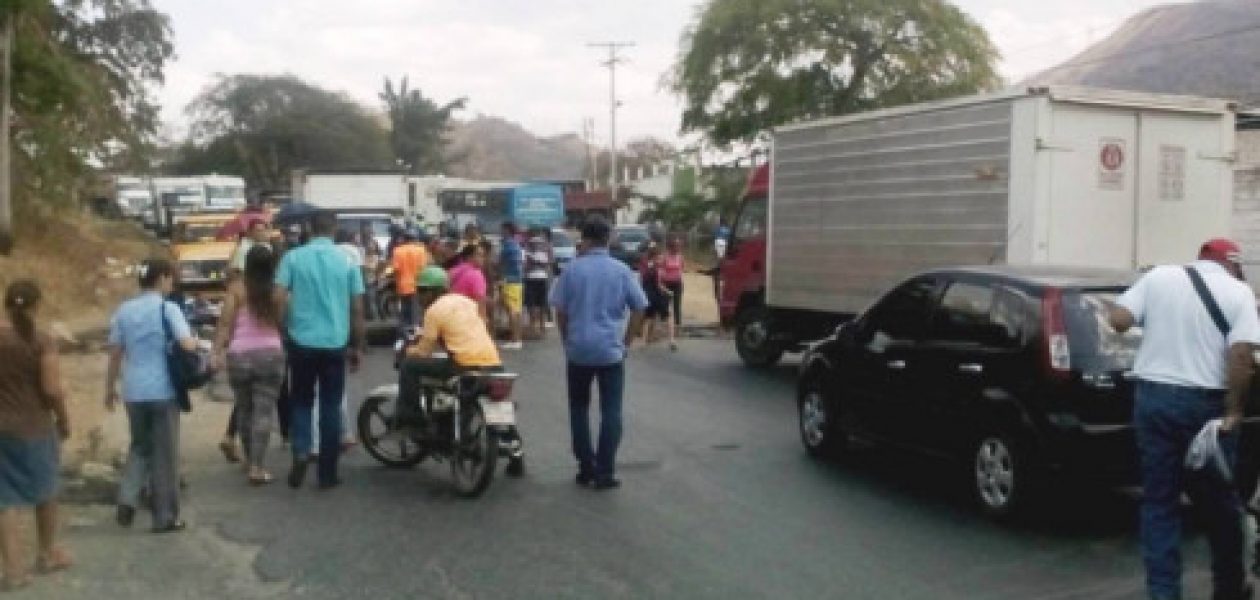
(1058, 357)
(499, 386)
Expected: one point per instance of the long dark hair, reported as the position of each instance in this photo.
(260, 274)
(20, 300)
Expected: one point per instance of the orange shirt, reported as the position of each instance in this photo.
(409, 260)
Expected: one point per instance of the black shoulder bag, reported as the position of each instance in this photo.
(188, 370)
(1209, 302)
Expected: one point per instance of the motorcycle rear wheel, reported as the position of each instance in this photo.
(473, 459)
(387, 443)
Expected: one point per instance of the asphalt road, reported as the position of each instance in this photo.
(719, 501)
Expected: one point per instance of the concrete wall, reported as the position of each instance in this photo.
(1246, 223)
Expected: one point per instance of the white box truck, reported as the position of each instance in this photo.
(1053, 176)
(358, 191)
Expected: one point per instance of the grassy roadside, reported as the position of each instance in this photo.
(81, 264)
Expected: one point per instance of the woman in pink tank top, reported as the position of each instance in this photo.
(248, 342)
(672, 265)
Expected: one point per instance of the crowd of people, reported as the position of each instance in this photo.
(294, 320)
(292, 326)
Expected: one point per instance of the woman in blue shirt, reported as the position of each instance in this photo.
(138, 350)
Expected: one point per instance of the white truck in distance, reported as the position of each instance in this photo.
(392, 193)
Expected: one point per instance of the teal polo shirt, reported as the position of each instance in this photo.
(321, 283)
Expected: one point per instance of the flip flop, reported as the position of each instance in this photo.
(229, 452)
(58, 561)
(171, 527)
(264, 479)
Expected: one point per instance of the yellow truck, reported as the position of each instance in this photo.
(201, 258)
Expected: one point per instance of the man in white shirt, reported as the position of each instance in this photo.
(1194, 365)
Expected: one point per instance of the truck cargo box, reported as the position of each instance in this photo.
(1062, 176)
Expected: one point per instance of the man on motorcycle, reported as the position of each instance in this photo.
(451, 321)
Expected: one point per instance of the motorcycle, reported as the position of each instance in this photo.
(386, 294)
(465, 421)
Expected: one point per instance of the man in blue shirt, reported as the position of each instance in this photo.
(512, 290)
(592, 299)
(321, 293)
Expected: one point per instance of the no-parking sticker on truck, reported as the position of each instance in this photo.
(1111, 159)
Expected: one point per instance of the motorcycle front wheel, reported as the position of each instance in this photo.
(383, 439)
(473, 459)
(387, 305)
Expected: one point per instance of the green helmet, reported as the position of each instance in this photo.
(433, 278)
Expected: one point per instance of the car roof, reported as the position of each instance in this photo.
(1043, 276)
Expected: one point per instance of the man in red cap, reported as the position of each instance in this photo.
(1194, 365)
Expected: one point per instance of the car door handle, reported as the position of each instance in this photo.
(972, 368)
(897, 365)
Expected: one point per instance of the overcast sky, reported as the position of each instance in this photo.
(527, 60)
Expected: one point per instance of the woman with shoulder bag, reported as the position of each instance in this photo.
(141, 333)
(249, 343)
(32, 420)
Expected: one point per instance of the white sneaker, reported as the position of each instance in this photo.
(512, 346)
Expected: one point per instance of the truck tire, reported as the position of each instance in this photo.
(753, 327)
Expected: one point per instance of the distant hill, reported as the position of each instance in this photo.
(491, 148)
(1206, 48)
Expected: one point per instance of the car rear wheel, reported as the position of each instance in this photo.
(753, 338)
(1000, 475)
(819, 421)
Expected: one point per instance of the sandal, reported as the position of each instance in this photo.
(230, 452)
(261, 479)
(172, 527)
(57, 560)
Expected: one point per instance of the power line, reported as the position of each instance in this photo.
(614, 59)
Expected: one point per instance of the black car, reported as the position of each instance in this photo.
(1013, 370)
(628, 244)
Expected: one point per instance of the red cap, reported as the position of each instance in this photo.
(1221, 250)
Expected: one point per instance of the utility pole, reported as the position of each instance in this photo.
(614, 59)
(588, 145)
(6, 91)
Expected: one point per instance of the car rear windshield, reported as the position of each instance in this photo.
(632, 235)
(1095, 346)
(561, 239)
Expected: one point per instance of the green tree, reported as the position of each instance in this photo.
(261, 127)
(418, 127)
(82, 75)
(749, 65)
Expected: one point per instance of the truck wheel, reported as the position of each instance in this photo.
(752, 338)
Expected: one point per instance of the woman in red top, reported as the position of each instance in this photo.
(672, 276)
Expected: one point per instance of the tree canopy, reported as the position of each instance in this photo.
(82, 74)
(261, 127)
(748, 65)
(418, 127)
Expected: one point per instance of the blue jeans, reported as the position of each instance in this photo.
(612, 382)
(310, 367)
(1166, 419)
(407, 309)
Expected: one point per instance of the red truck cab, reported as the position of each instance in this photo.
(743, 268)
(742, 283)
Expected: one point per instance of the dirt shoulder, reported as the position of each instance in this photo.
(84, 267)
